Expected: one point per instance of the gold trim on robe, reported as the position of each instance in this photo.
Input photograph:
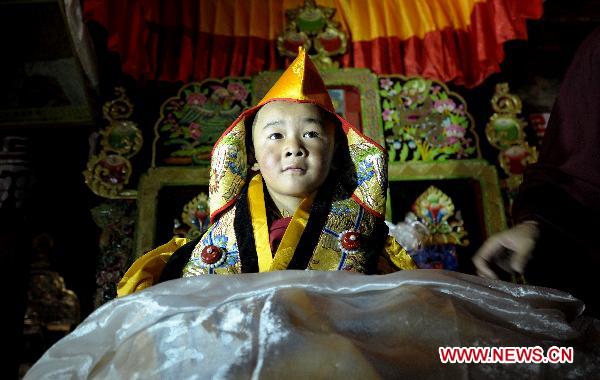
(146, 270)
(282, 257)
(345, 216)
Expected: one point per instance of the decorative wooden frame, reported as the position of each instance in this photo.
(363, 79)
(182, 97)
(494, 216)
(431, 91)
(150, 184)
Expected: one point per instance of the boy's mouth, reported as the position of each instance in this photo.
(294, 169)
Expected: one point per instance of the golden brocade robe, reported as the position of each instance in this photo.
(345, 243)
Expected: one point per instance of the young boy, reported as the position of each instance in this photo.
(292, 186)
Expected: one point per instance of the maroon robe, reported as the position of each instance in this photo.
(276, 231)
(562, 191)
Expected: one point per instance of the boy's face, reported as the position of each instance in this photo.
(293, 145)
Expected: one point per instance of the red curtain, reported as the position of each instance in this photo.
(188, 40)
(176, 40)
(465, 56)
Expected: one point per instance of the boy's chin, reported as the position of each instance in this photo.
(294, 187)
(297, 192)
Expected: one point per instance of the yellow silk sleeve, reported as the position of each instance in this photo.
(398, 255)
(146, 270)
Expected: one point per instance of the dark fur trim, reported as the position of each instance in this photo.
(378, 241)
(174, 267)
(242, 225)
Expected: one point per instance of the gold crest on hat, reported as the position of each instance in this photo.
(301, 81)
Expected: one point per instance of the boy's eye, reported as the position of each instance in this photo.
(275, 136)
(311, 134)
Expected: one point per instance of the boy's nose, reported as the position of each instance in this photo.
(294, 148)
(298, 152)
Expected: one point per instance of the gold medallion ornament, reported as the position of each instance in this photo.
(436, 210)
(108, 172)
(195, 216)
(312, 27)
(505, 131)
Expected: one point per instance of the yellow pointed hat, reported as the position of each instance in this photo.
(300, 82)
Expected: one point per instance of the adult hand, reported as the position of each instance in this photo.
(509, 250)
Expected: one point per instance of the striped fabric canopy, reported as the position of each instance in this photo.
(185, 40)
